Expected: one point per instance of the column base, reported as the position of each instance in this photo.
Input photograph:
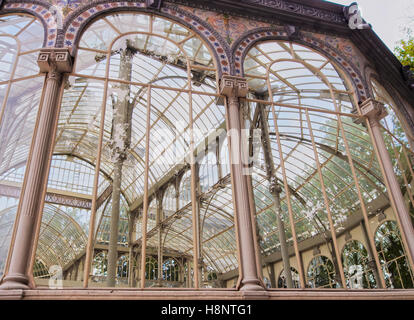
(15, 281)
(251, 285)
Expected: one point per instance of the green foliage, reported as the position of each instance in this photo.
(405, 51)
(39, 269)
(391, 253)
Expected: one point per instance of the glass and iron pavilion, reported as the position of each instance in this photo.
(132, 159)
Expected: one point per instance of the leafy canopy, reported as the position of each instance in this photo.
(405, 50)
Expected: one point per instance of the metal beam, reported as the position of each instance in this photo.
(76, 200)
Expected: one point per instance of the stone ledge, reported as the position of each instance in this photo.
(215, 294)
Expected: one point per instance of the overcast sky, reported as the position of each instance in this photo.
(387, 17)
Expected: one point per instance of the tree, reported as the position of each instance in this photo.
(405, 50)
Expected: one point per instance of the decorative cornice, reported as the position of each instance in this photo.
(285, 7)
(314, 9)
(296, 8)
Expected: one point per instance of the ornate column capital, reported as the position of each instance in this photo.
(373, 110)
(232, 86)
(55, 60)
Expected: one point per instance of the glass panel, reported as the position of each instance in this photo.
(129, 52)
(70, 187)
(399, 142)
(20, 99)
(393, 258)
(320, 157)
